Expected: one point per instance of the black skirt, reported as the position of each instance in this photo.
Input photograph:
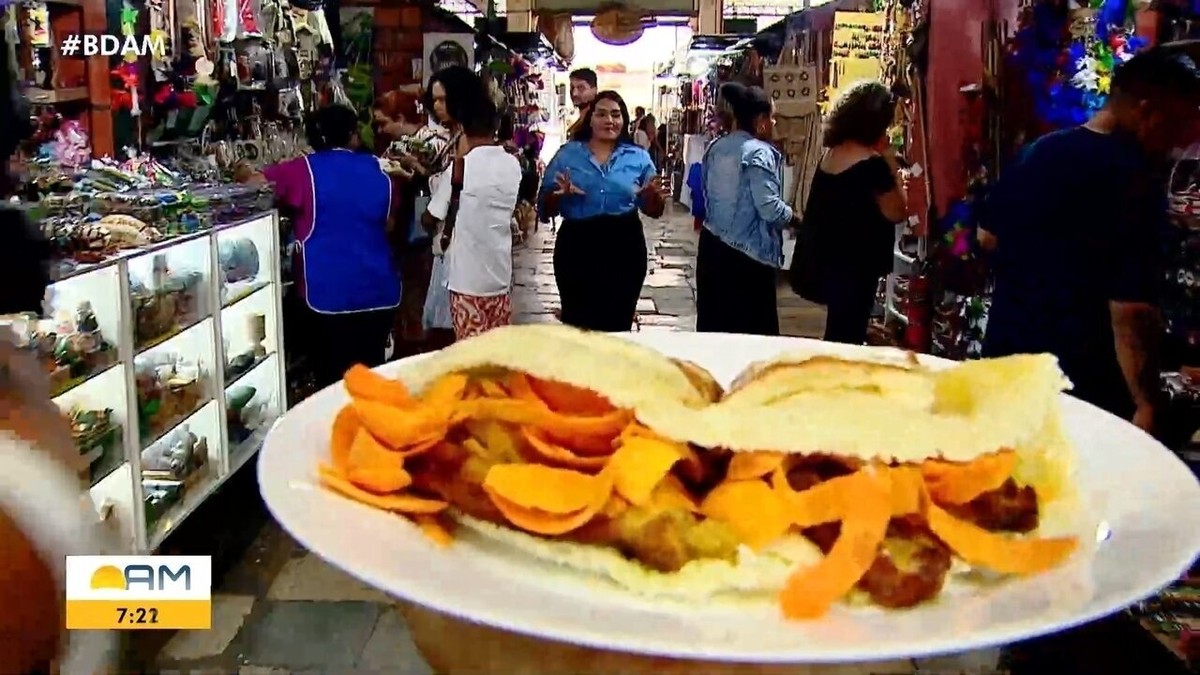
(600, 266)
(734, 292)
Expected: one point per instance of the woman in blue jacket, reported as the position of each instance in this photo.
(741, 243)
(598, 182)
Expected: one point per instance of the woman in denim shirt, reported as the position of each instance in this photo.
(741, 243)
(597, 183)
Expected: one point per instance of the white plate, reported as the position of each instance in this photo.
(1147, 497)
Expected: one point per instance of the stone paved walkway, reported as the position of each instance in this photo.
(668, 299)
(283, 610)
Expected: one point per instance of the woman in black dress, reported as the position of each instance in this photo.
(853, 207)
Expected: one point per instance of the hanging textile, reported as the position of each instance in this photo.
(792, 84)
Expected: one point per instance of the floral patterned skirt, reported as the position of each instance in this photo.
(474, 314)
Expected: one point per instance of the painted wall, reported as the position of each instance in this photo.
(955, 59)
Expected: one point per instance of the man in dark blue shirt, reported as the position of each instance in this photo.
(1075, 230)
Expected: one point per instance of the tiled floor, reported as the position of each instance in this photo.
(281, 609)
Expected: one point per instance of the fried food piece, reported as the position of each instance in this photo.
(662, 539)
(910, 568)
(1009, 508)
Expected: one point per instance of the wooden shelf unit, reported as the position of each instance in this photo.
(81, 86)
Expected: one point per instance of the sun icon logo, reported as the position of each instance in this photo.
(108, 577)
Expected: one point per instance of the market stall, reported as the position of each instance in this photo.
(1044, 68)
(685, 96)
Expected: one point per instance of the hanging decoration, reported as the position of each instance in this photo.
(125, 95)
(160, 34)
(129, 17)
(1068, 56)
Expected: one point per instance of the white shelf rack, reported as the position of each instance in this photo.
(218, 330)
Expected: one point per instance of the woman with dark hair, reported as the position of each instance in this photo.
(741, 242)
(597, 183)
(341, 203)
(853, 206)
(476, 205)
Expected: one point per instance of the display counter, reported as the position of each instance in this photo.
(168, 360)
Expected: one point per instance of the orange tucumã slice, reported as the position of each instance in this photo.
(404, 428)
(615, 507)
(519, 388)
(959, 483)
(907, 491)
(433, 529)
(671, 494)
(374, 467)
(757, 514)
(557, 455)
(399, 503)
(690, 465)
(865, 498)
(569, 399)
(815, 506)
(639, 465)
(366, 384)
(998, 552)
(822, 503)
(547, 489)
(345, 427)
(583, 435)
(540, 522)
(492, 389)
(752, 465)
(446, 391)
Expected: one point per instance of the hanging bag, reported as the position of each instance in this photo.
(436, 314)
(437, 298)
(805, 274)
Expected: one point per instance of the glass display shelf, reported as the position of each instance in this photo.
(145, 353)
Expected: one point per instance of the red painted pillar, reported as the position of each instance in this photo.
(955, 60)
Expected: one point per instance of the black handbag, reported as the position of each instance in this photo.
(805, 274)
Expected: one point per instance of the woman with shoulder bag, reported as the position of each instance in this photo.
(845, 244)
(443, 101)
(476, 205)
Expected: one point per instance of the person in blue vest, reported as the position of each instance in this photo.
(341, 203)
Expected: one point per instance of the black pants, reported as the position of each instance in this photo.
(734, 292)
(600, 266)
(849, 298)
(338, 341)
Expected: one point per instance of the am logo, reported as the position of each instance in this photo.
(142, 578)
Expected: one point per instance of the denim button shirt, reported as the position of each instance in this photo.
(743, 196)
(609, 190)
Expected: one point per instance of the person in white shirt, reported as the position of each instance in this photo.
(477, 205)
